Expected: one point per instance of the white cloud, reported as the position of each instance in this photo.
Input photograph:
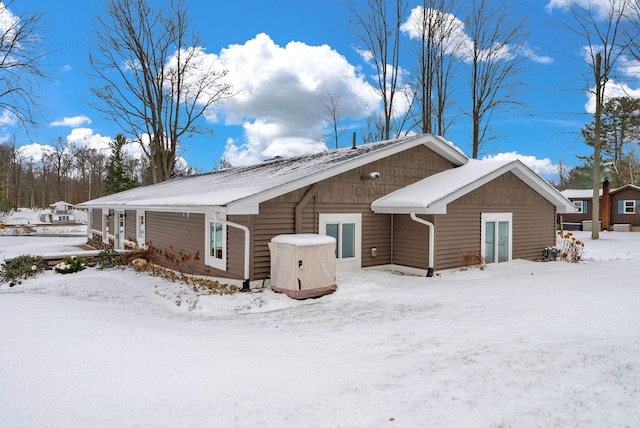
(456, 41)
(8, 118)
(66, 68)
(72, 122)
(612, 90)
(600, 6)
(35, 151)
(84, 137)
(541, 166)
(279, 94)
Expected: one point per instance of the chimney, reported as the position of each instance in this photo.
(606, 204)
(353, 142)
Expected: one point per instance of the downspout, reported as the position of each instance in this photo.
(311, 192)
(432, 248)
(247, 246)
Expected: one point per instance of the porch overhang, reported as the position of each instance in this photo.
(432, 195)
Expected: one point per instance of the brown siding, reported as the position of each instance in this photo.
(274, 219)
(410, 241)
(629, 195)
(458, 232)
(187, 240)
(345, 193)
(235, 248)
(579, 217)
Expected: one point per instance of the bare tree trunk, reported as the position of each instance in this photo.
(595, 199)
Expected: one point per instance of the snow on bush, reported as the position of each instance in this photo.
(21, 267)
(70, 265)
(571, 249)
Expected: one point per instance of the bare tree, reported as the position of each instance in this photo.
(379, 32)
(333, 118)
(494, 65)
(153, 78)
(602, 31)
(21, 68)
(433, 28)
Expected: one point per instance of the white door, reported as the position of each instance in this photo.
(496, 237)
(346, 229)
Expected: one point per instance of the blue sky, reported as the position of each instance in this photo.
(269, 44)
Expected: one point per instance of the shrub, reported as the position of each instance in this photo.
(70, 265)
(472, 259)
(570, 248)
(109, 258)
(21, 267)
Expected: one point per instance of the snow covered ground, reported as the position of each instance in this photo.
(519, 344)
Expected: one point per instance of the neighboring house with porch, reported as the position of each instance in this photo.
(619, 208)
(414, 204)
(59, 213)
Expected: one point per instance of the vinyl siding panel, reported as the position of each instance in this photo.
(458, 232)
(96, 219)
(617, 218)
(181, 235)
(130, 225)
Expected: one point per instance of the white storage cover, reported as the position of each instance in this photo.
(303, 265)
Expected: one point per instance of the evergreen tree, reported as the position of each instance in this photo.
(620, 136)
(118, 177)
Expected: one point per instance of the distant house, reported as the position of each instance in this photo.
(59, 213)
(415, 204)
(619, 208)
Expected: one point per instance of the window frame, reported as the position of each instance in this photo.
(209, 260)
(580, 206)
(344, 263)
(496, 217)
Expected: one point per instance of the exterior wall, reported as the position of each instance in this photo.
(130, 226)
(186, 241)
(628, 194)
(96, 219)
(457, 233)
(578, 217)
(344, 193)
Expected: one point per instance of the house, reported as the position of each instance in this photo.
(619, 208)
(59, 213)
(416, 204)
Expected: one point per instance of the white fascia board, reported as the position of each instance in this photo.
(250, 205)
(195, 209)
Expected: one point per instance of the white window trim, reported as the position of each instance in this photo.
(209, 260)
(351, 263)
(141, 238)
(633, 206)
(579, 206)
(485, 217)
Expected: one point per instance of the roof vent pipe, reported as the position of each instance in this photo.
(353, 142)
(432, 249)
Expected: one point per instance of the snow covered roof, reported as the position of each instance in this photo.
(432, 194)
(626, 186)
(578, 193)
(240, 190)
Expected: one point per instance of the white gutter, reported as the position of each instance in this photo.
(247, 245)
(432, 248)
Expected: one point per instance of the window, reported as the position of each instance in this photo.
(496, 237)
(216, 242)
(628, 207)
(346, 229)
(581, 206)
